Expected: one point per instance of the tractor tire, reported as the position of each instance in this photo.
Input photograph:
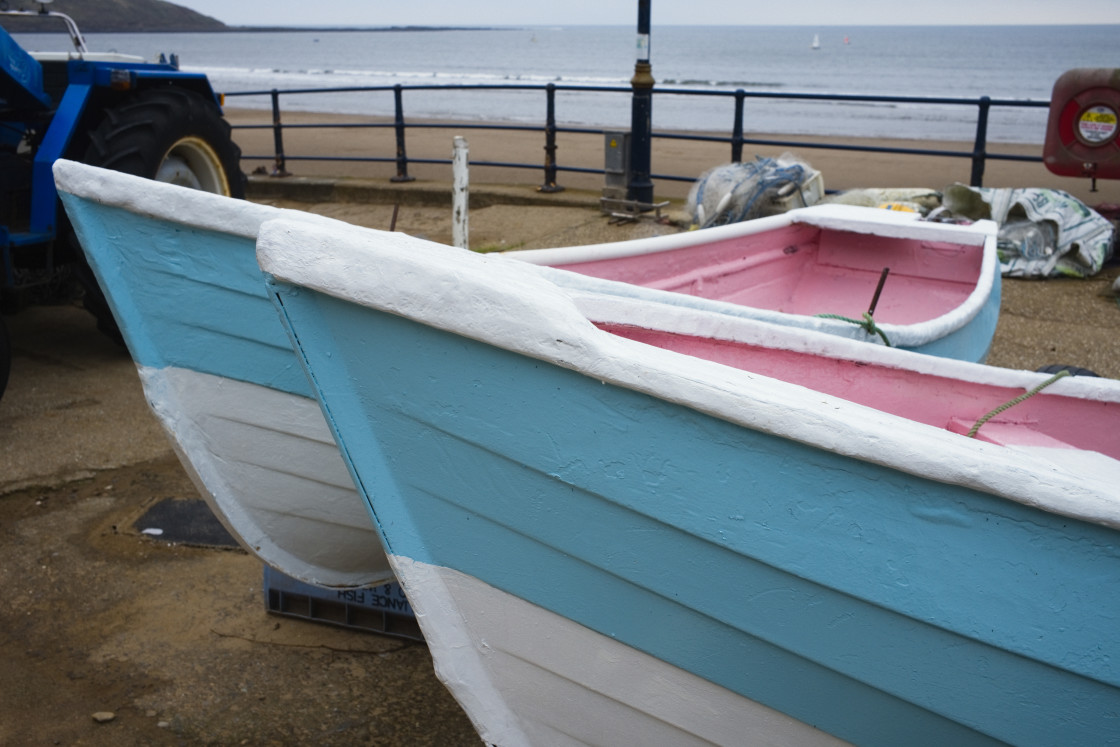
(170, 135)
(5, 357)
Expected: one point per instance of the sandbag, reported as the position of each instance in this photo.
(1043, 232)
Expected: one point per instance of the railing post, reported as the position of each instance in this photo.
(641, 186)
(279, 167)
(979, 150)
(737, 128)
(550, 184)
(402, 159)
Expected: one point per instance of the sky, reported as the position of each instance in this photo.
(666, 13)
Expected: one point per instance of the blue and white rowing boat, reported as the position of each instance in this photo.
(180, 274)
(610, 542)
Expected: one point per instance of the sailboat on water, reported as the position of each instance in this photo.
(816, 42)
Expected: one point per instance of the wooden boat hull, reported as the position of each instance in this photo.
(941, 296)
(179, 271)
(545, 487)
(521, 689)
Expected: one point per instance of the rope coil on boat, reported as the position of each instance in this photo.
(1011, 403)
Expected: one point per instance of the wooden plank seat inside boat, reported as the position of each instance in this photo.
(1009, 431)
(806, 269)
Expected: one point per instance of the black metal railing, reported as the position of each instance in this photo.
(978, 155)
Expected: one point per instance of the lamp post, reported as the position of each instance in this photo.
(640, 188)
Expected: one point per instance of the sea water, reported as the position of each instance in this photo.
(1004, 62)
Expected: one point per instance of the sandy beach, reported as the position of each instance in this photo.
(840, 169)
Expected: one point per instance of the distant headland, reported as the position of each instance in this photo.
(139, 16)
(113, 16)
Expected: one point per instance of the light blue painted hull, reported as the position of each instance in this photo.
(185, 296)
(220, 373)
(880, 606)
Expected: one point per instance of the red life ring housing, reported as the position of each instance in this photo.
(1082, 132)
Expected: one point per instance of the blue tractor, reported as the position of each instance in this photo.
(116, 111)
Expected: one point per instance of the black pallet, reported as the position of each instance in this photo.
(377, 609)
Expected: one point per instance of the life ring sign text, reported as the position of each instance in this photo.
(1097, 124)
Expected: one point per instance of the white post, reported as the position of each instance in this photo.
(459, 193)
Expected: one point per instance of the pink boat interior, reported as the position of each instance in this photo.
(807, 270)
(1044, 420)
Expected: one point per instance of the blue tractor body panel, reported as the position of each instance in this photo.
(21, 77)
(29, 114)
